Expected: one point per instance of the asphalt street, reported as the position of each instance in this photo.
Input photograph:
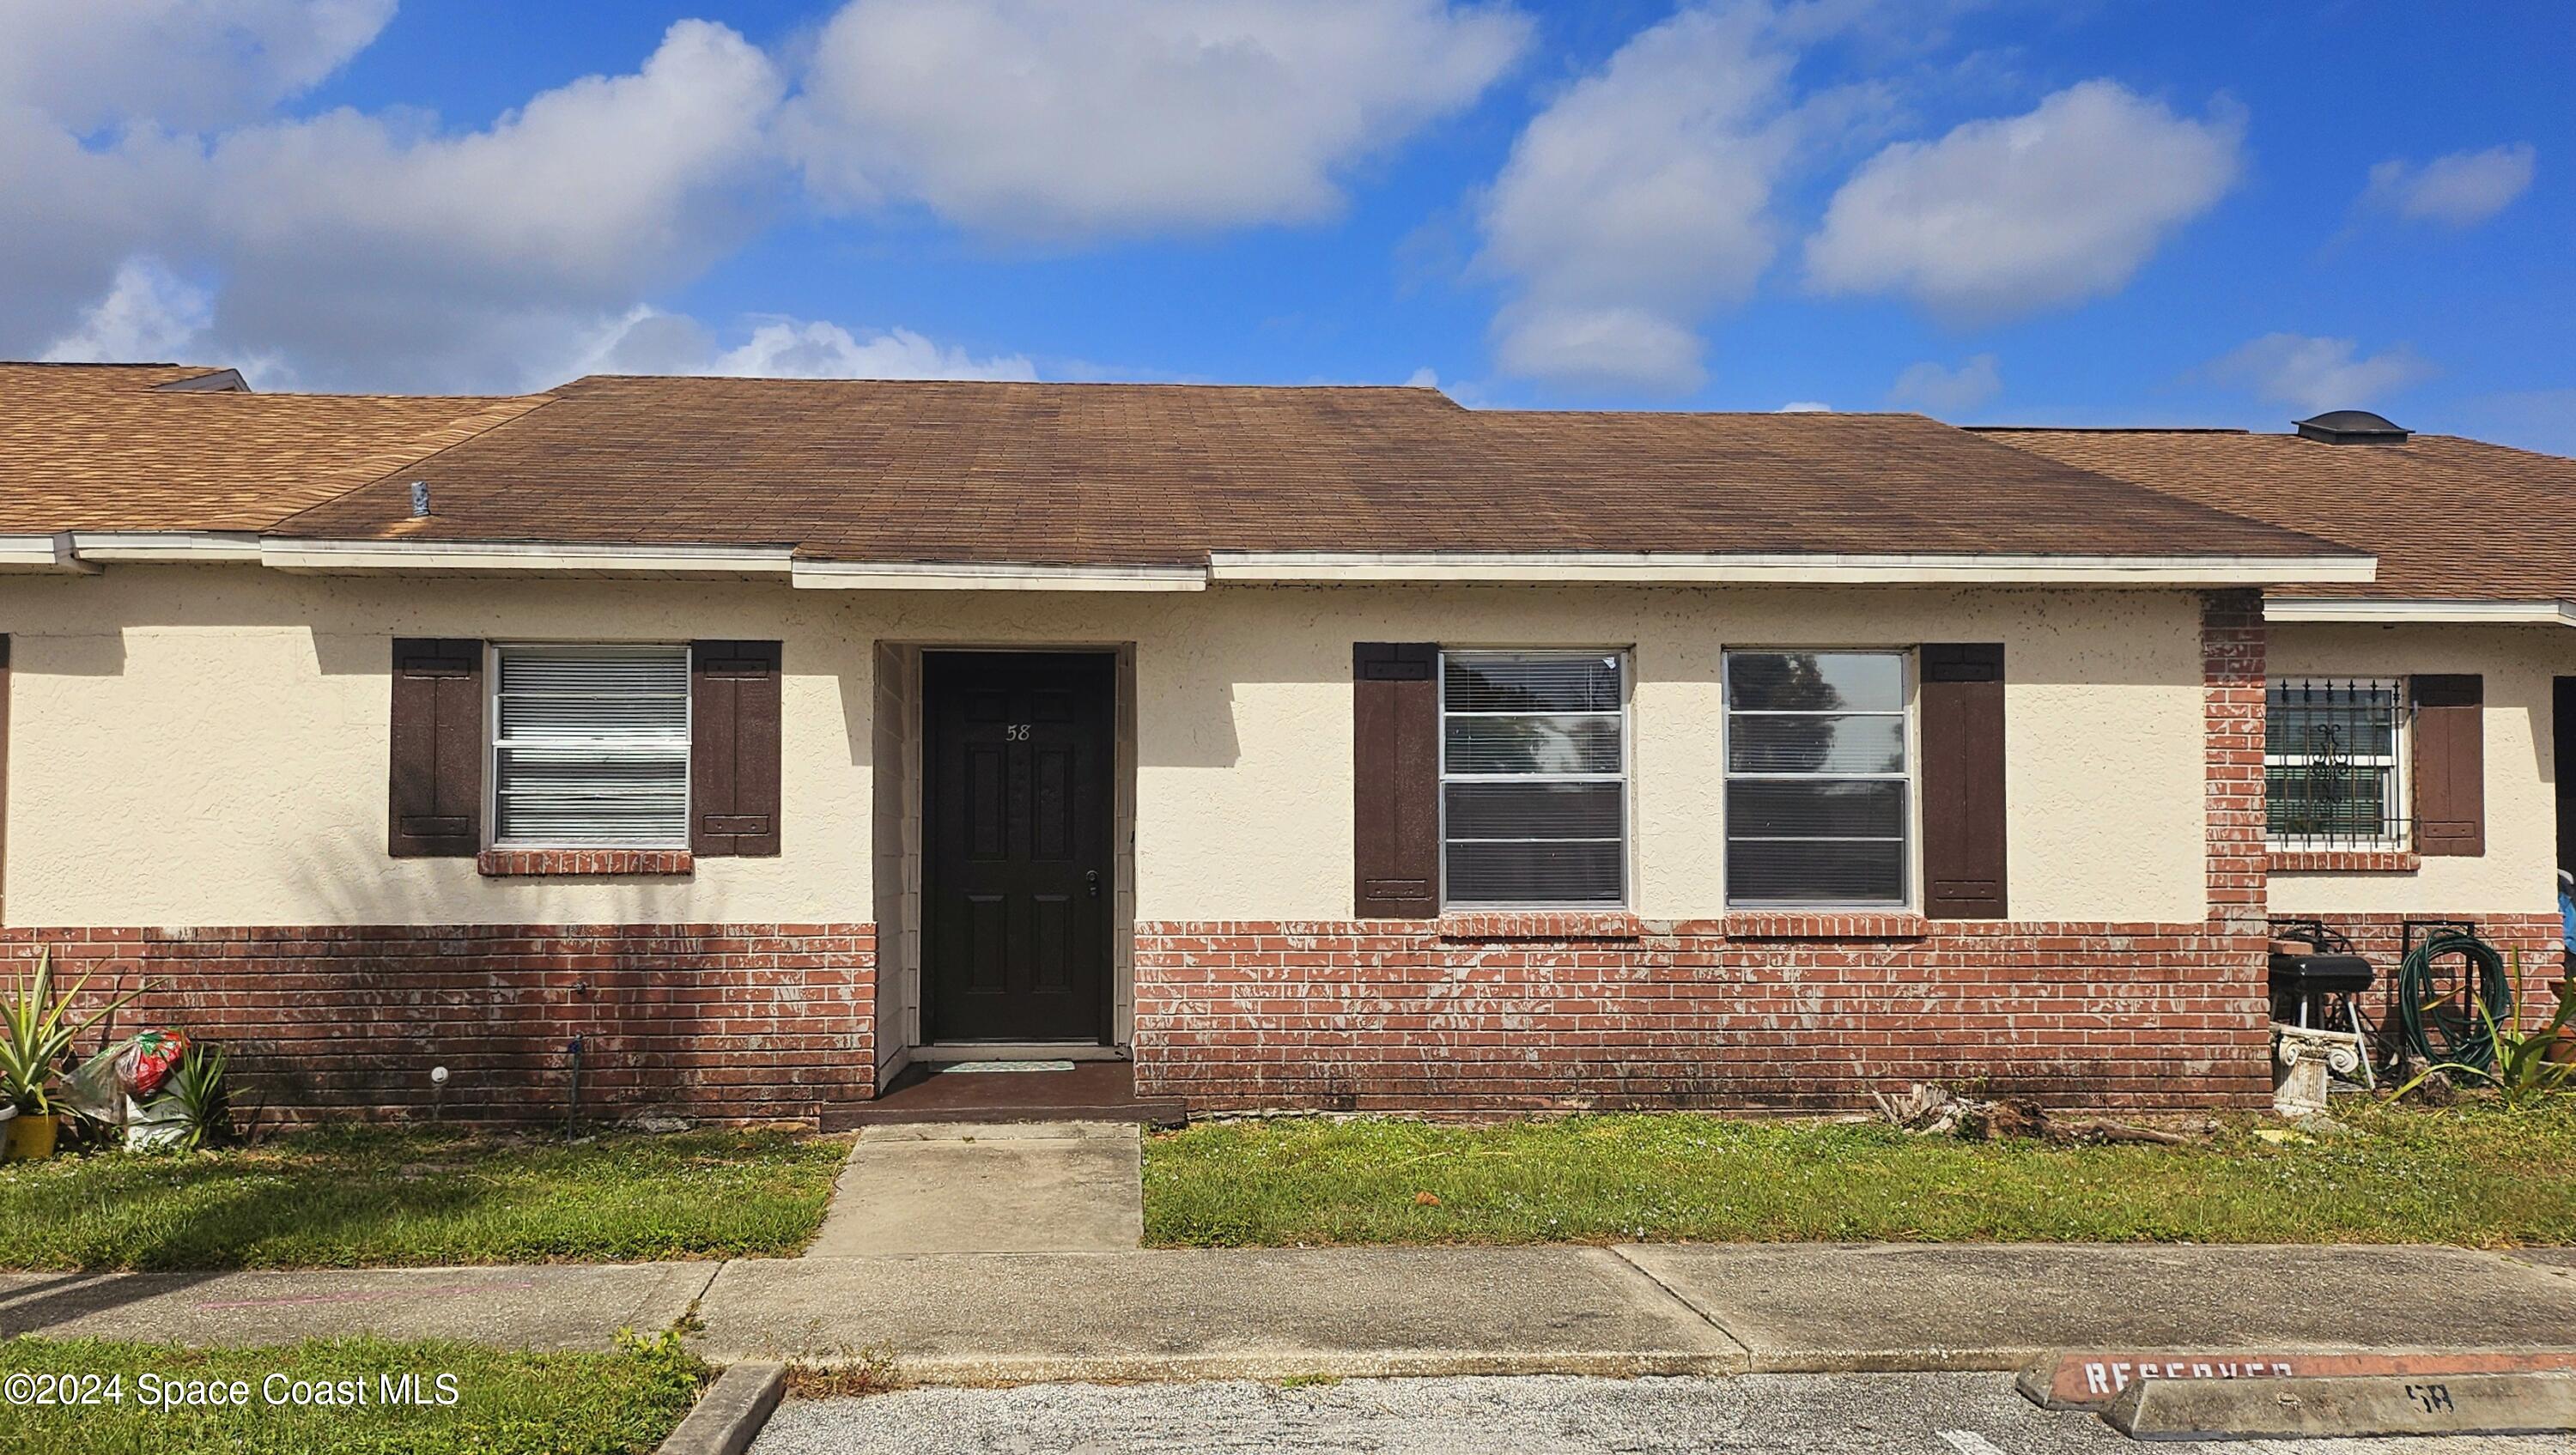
(1843, 1414)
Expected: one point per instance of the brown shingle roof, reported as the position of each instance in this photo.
(84, 448)
(1142, 474)
(2448, 518)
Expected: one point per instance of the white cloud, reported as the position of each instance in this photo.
(1599, 348)
(1038, 120)
(2461, 189)
(149, 314)
(2313, 374)
(1804, 406)
(649, 341)
(368, 248)
(2013, 215)
(1929, 387)
(364, 250)
(1639, 200)
(187, 64)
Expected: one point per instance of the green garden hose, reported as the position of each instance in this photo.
(2438, 1020)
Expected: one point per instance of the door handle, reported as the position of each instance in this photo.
(1091, 882)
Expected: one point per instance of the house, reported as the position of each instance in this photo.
(734, 745)
(2414, 768)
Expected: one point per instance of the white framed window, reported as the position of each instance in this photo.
(1819, 778)
(1533, 778)
(590, 746)
(2334, 763)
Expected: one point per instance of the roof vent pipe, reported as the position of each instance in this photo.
(420, 497)
(2351, 427)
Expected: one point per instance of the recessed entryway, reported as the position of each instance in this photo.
(1018, 887)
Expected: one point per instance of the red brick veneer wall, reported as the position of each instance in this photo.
(1398, 1015)
(1394, 1016)
(749, 1022)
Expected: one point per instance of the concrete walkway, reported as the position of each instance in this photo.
(1188, 1313)
(547, 1307)
(1029, 1187)
(1640, 1309)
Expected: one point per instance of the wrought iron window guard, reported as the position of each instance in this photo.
(2333, 765)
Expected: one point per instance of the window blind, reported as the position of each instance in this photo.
(1534, 777)
(1817, 783)
(591, 746)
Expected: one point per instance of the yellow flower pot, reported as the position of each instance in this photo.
(31, 1138)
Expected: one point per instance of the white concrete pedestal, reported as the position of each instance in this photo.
(2304, 1062)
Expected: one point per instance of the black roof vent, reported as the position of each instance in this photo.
(2351, 427)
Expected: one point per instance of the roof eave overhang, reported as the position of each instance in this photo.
(1660, 568)
(2390, 611)
(519, 558)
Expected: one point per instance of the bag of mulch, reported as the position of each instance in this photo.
(152, 1124)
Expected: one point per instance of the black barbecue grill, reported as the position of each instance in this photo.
(2315, 975)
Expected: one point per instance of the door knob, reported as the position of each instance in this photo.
(1091, 881)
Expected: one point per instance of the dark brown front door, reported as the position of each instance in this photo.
(1018, 892)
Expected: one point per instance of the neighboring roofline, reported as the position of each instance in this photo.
(522, 557)
(993, 576)
(2392, 612)
(2107, 429)
(45, 552)
(1324, 567)
(215, 381)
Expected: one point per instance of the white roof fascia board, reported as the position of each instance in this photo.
(48, 552)
(993, 576)
(111, 547)
(2428, 613)
(513, 558)
(1675, 568)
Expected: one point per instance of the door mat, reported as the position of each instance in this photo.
(956, 1067)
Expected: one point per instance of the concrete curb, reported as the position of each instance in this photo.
(2345, 1407)
(730, 1414)
(1010, 1369)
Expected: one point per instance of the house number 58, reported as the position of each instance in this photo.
(1015, 732)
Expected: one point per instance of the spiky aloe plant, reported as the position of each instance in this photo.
(37, 1029)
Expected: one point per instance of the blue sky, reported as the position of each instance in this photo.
(2050, 212)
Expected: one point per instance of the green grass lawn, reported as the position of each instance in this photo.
(377, 1197)
(504, 1403)
(2472, 1176)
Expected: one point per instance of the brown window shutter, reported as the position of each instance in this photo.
(1962, 712)
(2450, 766)
(436, 810)
(1395, 851)
(733, 748)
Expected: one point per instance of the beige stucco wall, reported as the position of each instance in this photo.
(2518, 872)
(207, 745)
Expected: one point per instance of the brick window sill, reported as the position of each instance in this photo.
(2344, 861)
(1826, 926)
(1541, 925)
(582, 863)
